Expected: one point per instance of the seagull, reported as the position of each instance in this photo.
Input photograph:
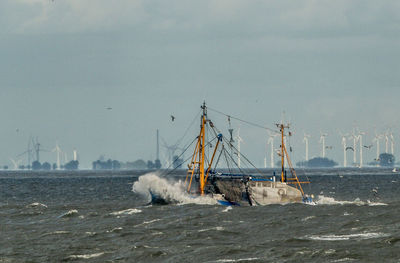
(350, 148)
(172, 117)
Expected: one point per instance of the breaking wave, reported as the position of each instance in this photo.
(325, 200)
(36, 204)
(347, 237)
(85, 256)
(70, 213)
(168, 191)
(130, 211)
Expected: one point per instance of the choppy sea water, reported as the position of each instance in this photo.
(98, 218)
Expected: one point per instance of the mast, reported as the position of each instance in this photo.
(202, 148)
(198, 163)
(282, 128)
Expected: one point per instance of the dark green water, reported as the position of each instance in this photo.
(97, 218)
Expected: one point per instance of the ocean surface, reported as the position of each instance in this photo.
(97, 217)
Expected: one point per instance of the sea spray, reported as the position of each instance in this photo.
(169, 191)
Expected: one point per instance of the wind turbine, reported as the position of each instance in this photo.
(239, 140)
(344, 143)
(305, 140)
(355, 139)
(58, 152)
(271, 142)
(322, 140)
(376, 139)
(386, 142)
(359, 137)
(391, 143)
(16, 163)
(75, 153)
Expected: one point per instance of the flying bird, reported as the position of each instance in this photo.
(108, 108)
(368, 146)
(172, 117)
(350, 148)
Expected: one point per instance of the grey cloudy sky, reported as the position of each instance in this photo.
(330, 65)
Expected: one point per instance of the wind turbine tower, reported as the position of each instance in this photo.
(239, 140)
(271, 142)
(75, 153)
(305, 140)
(391, 143)
(322, 140)
(58, 152)
(386, 142)
(355, 138)
(377, 139)
(158, 146)
(344, 143)
(361, 148)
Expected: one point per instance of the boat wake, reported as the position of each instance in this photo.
(325, 200)
(162, 191)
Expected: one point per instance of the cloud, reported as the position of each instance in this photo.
(235, 17)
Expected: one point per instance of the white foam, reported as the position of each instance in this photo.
(227, 209)
(148, 222)
(130, 211)
(171, 192)
(36, 204)
(347, 237)
(71, 212)
(86, 256)
(307, 218)
(218, 228)
(117, 229)
(236, 260)
(344, 259)
(325, 200)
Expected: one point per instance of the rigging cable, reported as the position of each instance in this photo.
(241, 120)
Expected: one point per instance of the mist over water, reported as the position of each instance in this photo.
(106, 218)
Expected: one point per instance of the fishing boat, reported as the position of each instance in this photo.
(232, 184)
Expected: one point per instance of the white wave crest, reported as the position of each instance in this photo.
(227, 209)
(325, 200)
(70, 213)
(36, 204)
(171, 192)
(130, 211)
(87, 256)
(347, 237)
